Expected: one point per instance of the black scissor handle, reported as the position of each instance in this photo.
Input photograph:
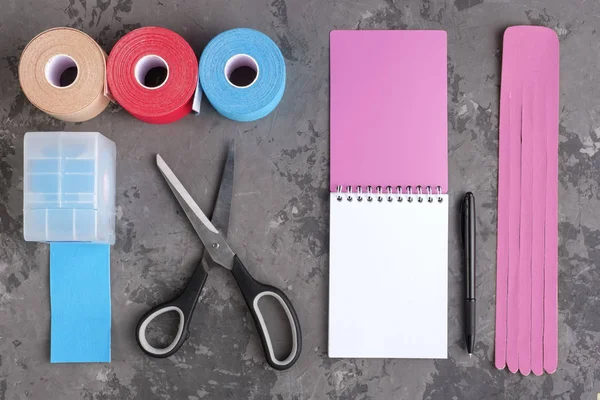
(253, 291)
(184, 305)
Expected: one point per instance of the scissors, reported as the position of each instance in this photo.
(216, 249)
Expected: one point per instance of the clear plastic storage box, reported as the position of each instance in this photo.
(69, 187)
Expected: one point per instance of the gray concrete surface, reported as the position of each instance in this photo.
(280, 209)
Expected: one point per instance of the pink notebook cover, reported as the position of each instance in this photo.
(389, 109)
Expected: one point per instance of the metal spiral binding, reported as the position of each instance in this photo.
(419, 194)
(409, 194)
(389, 194)
(399, 191)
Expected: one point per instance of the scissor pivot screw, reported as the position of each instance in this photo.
(215, 245)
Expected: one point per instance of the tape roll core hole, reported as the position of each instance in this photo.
(61, 71)
(151, 71)
(241, 71)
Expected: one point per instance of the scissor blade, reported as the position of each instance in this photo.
(220, 216)
(214, 243)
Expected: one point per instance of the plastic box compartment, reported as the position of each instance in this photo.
(69, 187)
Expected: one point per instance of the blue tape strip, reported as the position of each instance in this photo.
(80, 302)
(241, 103)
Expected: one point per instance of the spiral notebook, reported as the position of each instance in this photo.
(388, 195)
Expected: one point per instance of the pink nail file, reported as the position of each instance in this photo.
(527, 274)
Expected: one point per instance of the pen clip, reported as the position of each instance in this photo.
(464, 218)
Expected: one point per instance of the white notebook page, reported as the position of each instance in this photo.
(388, 278)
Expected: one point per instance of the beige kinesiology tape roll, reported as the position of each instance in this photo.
(42, 71)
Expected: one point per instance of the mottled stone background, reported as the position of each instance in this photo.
(280, 209)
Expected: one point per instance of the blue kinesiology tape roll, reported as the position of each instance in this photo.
(241, 48)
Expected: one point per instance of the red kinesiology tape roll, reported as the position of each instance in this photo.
(158, 53)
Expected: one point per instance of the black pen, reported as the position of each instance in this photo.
(468, 233)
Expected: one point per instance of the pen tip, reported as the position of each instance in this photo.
(470, 355)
